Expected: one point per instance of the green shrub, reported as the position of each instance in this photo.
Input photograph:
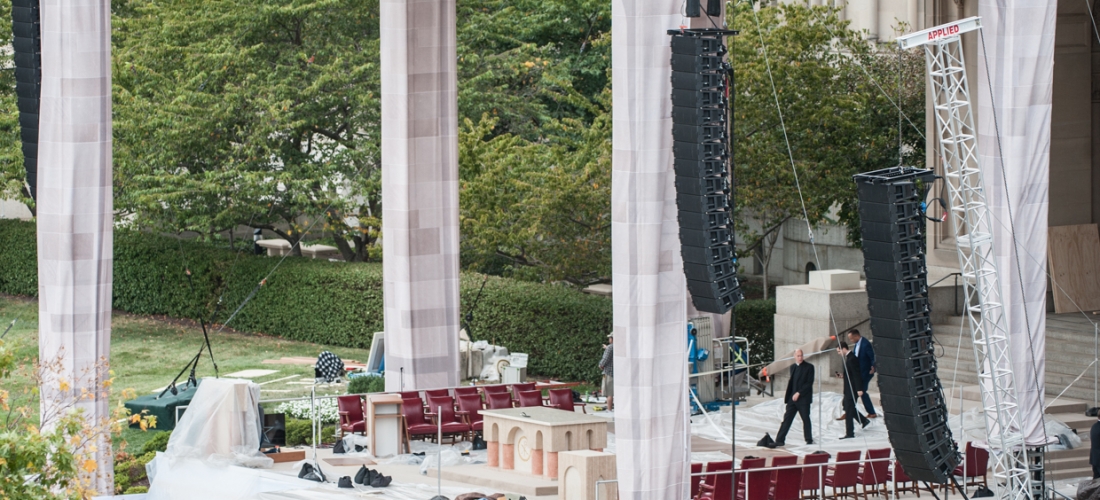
(299, 432)
(133, 490)
(159, 442)
(325, 302)
(755, 320)
(18, 258)
(130, 469)
(366, 385)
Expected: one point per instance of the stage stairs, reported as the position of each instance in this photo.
(1069, 351)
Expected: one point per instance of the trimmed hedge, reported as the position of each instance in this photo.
(755, 320)
(325, 302)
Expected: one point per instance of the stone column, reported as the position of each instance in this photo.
(649, 288)
(420, 193)
(75, 220)
(508, 456)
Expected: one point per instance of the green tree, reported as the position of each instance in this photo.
(529, 62)
(13, 185)
(535, 141)
(244, 112)
(837, 123)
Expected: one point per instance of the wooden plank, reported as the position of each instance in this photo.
(1073, 254)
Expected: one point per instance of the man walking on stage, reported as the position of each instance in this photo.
(800, 394)
(852, 385)
(863, 350)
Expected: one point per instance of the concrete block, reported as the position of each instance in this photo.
(834, 279)
(578, 472)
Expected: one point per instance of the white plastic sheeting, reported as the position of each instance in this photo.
(221, 425)
(649, 289)
(753, 422)
(1019, 49)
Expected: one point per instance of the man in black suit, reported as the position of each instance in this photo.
(853, 388)
(1094, 448)
(800, 394)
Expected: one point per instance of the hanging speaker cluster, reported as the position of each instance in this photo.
(892, 223)
(701, 149)
(27, 44)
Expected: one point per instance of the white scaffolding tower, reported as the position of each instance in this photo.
(973, 226)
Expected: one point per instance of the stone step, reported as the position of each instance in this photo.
(1069, 473)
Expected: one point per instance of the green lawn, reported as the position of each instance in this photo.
(147, 353)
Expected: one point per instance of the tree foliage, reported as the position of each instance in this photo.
(13, 185)
(244, 112)
(835, 121)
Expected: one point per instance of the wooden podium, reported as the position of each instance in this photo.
(385, 425)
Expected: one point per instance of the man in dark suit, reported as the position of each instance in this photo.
(1094, 448)
(865, 352)
(800, 394)
(852, 389)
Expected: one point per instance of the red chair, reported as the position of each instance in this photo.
(898, 476)
(469, 408)
(416, 426)
(875, 473)
(498, 400)
(529, 399)
(493, 389)
(562, 399)
(443, 409)
(844, 474)
(461, 391)
(715, 484)
(518, 388)
(436, 393)
(753, 485)
(974, 466)
(410, 395)
(350, 409)
(812, 477)
(785, 482)
(695, 479)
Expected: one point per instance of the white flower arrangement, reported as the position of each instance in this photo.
(326, 410)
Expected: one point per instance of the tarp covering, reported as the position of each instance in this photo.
(1019, 49)
(75, 215)
(649, 289)
(420, 193)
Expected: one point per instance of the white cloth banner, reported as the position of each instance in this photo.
(649, 289)
(1019, 49)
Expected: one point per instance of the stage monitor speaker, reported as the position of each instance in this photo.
(892, 226)
(701, 153)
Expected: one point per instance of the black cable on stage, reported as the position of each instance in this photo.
(931, 490)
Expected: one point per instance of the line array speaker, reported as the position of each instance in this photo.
(892, 225)
(701, 152)
(27, 45)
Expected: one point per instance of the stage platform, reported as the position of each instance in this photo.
(494, 479)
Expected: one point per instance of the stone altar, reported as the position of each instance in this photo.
(529, 439)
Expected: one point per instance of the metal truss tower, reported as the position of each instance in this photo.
(973, 226)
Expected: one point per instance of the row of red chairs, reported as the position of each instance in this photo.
(805, 482)
(459, 416)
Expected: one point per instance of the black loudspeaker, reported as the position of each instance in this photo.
(27, 48)
(892, 224)
(701, 150)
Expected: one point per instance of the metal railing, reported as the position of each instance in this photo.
(822, 467)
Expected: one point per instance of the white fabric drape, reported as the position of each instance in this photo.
(420, 193)
(649, 289)
(1019, 49)
(75, 233)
